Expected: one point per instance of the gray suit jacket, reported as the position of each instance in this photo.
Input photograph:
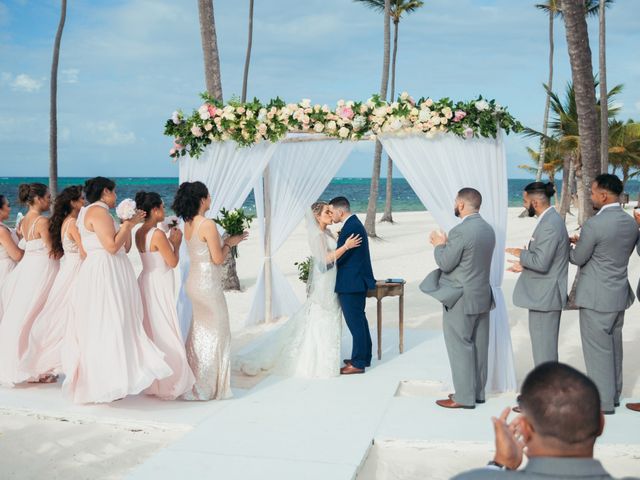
(542, 285)
(548, 468)
(606, 242)
(464, 266)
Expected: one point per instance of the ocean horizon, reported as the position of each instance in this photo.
(356, 189)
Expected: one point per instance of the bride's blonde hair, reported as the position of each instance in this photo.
(317, 207)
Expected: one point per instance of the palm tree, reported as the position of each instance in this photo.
(553, 163)
(582, 74)
(370, 220)
(53, 105)
(624, 148)
(554, 9)
(398, 8)
(247, 60)
(602, 68)
(210, 49)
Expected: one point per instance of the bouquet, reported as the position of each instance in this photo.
(304, 268)
(126, 209)
(168, 223)
(234, 222)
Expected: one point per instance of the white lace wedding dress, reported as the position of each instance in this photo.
(308, 343)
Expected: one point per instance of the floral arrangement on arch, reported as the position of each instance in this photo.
(253, 122)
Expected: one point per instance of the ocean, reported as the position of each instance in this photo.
(355, 189)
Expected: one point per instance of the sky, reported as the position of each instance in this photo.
(126, 65)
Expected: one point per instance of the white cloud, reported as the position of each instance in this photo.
(70, 75)
(108, 133)
(25, 83)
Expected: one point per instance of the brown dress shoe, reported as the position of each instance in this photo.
(448, 403)
(478, 402)
(350, 370)
(634, 406)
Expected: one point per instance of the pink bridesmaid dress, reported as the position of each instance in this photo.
(23, 297)
(45, 340)
(157, 286)
(106, 354)
(7, 263)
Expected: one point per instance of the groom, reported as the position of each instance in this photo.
(354, 277)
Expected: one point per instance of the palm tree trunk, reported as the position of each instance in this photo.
(604, 105)
(210, 49)
(545, 123)
(387, 216)
(370, 220)
(582, 74)
(247, 60)
(565, 195)
(53, 105)
(580, 191)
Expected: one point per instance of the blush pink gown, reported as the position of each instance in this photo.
(45, 340)
(6, 262)
(106, 355)
(23, 297)
(157, 287)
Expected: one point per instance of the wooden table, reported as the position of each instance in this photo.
(384, 289)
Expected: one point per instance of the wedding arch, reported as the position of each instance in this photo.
(288, 154)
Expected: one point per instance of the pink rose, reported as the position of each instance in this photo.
(345, 112)
(196, 131)
(177, 146)
(212, 110)
(468, 132)
(459, 115)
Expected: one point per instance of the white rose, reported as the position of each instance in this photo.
(196, 131)
(203, 111)
(331, 126)
(428, 102)
(359, 121)
(318, 127)
(208, 126)
(343, 132)
(396, 124)
(175, 118)
(443, 121)
(262, 115)
(424, 115)
(341, 103)
(126, 209)
(305, 103)
(249, 114)
(435, 120)
(482, 105)
(404, 96)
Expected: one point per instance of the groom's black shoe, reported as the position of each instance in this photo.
(350, 370)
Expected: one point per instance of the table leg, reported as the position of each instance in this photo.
(379, 319)
(401, 321)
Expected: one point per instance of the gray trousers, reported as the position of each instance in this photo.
(602, 347)
(543, 328)
(467, 341)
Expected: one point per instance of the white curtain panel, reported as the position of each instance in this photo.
(437, 168)
(298, 174)
(229, 172)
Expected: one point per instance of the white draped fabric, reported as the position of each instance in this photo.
(229, 172)
(298, 174)
(436, 168)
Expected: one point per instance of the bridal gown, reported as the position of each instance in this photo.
(308, 344)
(45, 340)
(23, 296)
(209, 340)
(157, 287)
(106, 354)
(7, 264)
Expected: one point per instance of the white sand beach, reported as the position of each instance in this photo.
(286, 428)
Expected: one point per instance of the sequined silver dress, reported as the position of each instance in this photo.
(209, 341)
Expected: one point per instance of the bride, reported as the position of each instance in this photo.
(308, 344)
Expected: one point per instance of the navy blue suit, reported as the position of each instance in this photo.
(354, 277)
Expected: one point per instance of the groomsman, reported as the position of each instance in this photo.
(544, 266)
(603, 292)
(461, 284)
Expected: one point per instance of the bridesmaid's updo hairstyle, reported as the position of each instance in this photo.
(28, 192)
(94, 187)
(61, 209)
(147, 201)
(188, 199)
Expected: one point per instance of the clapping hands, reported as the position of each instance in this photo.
(510, 442)
(438, 237)
(516, 266)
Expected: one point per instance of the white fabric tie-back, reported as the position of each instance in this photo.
(229, 172)
(437, 168)
(299, 172)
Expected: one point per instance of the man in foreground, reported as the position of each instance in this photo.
(560, 422)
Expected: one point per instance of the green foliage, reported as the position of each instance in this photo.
(234, 222)
(304, 268)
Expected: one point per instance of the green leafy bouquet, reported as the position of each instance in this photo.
(234, 222)
(304, 268)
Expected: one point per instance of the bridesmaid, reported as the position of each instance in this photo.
(10, 253)
(106, 354)
(209, 340)
(157, 285)
(27, 286)
(42, 358)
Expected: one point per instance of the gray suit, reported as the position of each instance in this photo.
(542, 286)
(462, 285)
(549, 468)
(603, 294)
